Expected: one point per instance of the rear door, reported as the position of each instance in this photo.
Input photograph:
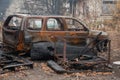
(11, 30)
(54, 29)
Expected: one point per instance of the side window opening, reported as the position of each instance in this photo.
(15, 23)
(74, 25)
(34, 24)
(54, 24)
(108, 7)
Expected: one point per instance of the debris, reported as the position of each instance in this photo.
(56, 67)
(13, 63)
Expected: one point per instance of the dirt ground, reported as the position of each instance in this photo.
(42, 72)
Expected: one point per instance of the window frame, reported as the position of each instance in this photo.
(58, 20)
(105, 4)
(81, 23)
(34, 18)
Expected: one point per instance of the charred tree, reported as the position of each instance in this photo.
(44, 7)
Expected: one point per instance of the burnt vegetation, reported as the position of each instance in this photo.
(45, 7)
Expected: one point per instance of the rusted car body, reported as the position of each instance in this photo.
(22, 31)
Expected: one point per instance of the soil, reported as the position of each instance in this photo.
(42, 72)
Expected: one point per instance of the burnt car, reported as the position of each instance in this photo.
(42, 36)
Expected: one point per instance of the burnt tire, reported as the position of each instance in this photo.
(40, 52)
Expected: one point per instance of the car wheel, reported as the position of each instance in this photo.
(40, 52)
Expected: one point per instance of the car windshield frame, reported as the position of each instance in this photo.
(7, 25)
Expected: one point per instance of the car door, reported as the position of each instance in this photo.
(32, 31)
(11, 30)
(54, 29)
(76, 31)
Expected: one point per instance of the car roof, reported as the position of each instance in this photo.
(29, 15)
(54, 16)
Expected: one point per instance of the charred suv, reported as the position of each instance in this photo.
(46, 36)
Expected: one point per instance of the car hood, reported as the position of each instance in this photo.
(96, 32)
